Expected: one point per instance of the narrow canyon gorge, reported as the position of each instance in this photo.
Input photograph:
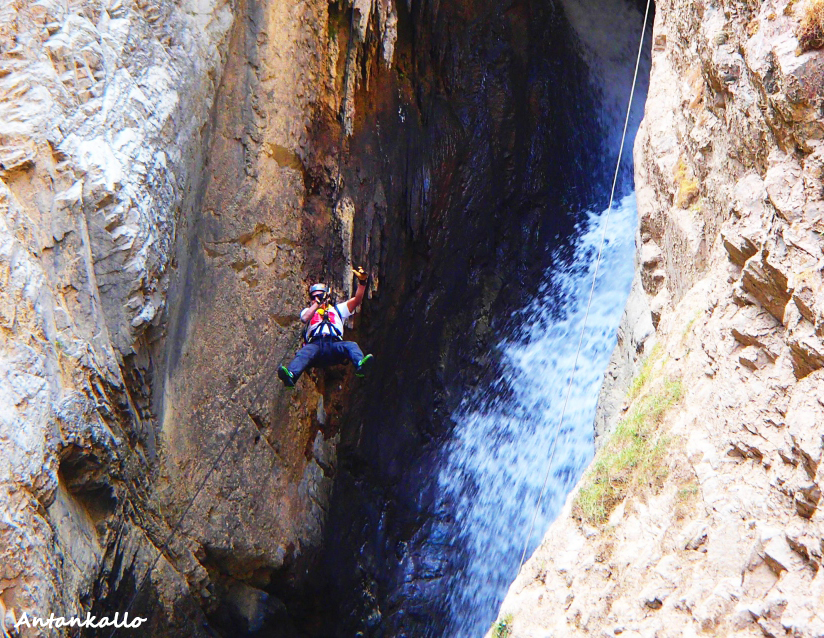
(175, 174)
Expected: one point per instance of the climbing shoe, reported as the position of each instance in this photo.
(363, 367)
(287, 377)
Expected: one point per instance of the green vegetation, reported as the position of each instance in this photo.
(643, 376)
(502, 627)
(689, 325)
(811, 29)
(684, 499)
(633, 455)
(687, 492)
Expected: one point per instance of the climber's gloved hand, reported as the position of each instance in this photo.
(361, 274)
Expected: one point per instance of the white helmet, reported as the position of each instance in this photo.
(318, 288)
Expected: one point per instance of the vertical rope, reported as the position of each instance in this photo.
(165, 546)
(553, 445)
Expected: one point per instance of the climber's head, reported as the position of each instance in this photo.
(318, 292)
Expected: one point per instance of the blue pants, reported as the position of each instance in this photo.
(323, 353)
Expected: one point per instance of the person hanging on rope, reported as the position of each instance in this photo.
(324, 345)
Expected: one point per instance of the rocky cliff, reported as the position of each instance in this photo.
(157, 175)
(172, 175)
(700, 513)
(102, 112)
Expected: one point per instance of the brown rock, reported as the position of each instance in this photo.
(764, 278)
(785, 186)
(806, 499)
(752, 326)
(750, 358)
(738, 247)
(806, 347)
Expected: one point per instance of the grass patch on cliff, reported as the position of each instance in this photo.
(811, 28)
(687, 492)
(502, 627)
(690, 324)
(686, 184)
(685, 498)
(632, 457)
(644, 374)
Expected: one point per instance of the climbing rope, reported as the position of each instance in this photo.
(591, 291)
(338, 193)
(165, 546)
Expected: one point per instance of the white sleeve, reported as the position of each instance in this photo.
(343, 311)
(304, 315)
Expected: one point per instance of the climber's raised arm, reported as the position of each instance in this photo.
(317, 295)
(355, 301)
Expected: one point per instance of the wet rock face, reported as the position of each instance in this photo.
(729, 194)
(454, 163)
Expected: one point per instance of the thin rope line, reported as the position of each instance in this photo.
(165, 546)
(228, 443)
(591, 291)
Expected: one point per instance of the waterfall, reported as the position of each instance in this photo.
(494, 467)
(496, 462)
(432, 509)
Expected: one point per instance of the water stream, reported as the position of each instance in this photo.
(494, 466)
(496, 463)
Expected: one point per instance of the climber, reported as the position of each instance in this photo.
(324, 334)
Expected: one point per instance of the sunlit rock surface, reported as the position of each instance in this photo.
(725, 537)
(102, 107)
(156, 163)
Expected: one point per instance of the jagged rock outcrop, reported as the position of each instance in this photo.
(723, 534)
(102, 107)
(143, 144)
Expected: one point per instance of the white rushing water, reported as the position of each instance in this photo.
(496, 464)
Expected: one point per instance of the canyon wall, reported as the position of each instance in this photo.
(102, 112)
(700, 513)
(159, 177)
(173, 176)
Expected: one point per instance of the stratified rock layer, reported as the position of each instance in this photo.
(724, 536)
(102, 107)
(155, 161)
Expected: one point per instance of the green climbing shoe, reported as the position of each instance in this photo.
(363, 367)
(287, 377)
